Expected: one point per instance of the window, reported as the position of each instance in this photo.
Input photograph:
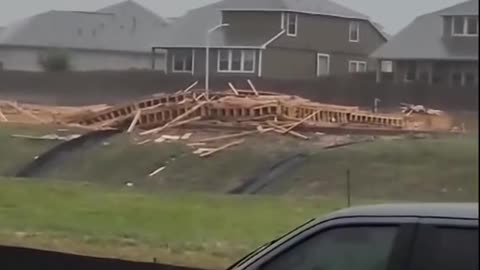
(464, 26)
(359, 248)
(387, 66)
(411, 72)
(236, 61)
(463, 78)
(357, 66)
(323, 64)
(292, 24)
(450, 249)
(354, 32)
(182, 62)
(457, 78)
(469, 79)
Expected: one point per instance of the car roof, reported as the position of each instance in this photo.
(435, 210)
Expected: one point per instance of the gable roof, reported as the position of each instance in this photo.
(189, 31)
(318, 7)
(125, 26)
(465, 8)
(423, 39)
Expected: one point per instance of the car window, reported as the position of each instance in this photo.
(452, 249)
(360, 248)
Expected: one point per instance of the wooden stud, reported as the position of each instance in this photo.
(135, 121)
(178, 118)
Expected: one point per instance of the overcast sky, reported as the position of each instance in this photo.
(392, 14)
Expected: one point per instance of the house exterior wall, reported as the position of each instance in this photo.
(441, 70)
(315, 34)
(302, 64)
(26, 59)
(331, 35)
(255, 23)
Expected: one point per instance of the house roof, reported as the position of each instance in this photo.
(465, 8)
(424, 39)
(323, 7)
(190, 30)
(126, 26)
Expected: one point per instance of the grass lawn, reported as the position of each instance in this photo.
(183, 228)
(442, 169)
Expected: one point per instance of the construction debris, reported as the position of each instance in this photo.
(247, 111)
(209, 153)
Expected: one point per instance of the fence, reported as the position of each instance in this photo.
(77, 88)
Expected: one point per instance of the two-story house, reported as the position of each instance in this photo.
(116, 37)
(439, 47)
(289, 39)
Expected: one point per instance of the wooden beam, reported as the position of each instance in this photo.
(302, 121)
(233, 89)
(157, 171)
(253, 87)
(207, 154)
(181, 123)
(25, 112)
(230, 136)
(283, 129)
(3, 118)
(135, 121)
(188, 89)
(174, 121)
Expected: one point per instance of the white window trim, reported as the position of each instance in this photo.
(465, 27)
(288, 24)
(328, 64)
(184, 64)
(352, 23)
(282, 21)
(357, 66)
(242, 62)
(463, 78)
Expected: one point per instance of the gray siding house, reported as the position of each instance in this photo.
(117, 37)
(439, 47)
(289, 39)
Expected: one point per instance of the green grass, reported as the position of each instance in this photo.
(15, 153)
(442, 169)
(187, 228)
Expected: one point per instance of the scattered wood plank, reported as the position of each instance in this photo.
(188, 89)
(196, 144)
(200, 151)
(159, 170)
(253, 87)
(230, 136)
(144, 142)
(200, 97)
(233, 89)
(226, 146)
(179, 118)
(171, 137)
(25, 112)
(188, 121)
(3, 118)
(302, 121)
(281, 130)
(186, 136)
(135, 121)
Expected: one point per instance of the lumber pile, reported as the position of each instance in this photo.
(251, 111)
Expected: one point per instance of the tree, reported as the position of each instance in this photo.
(54, 60)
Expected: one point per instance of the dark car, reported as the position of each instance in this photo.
(381, 237)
